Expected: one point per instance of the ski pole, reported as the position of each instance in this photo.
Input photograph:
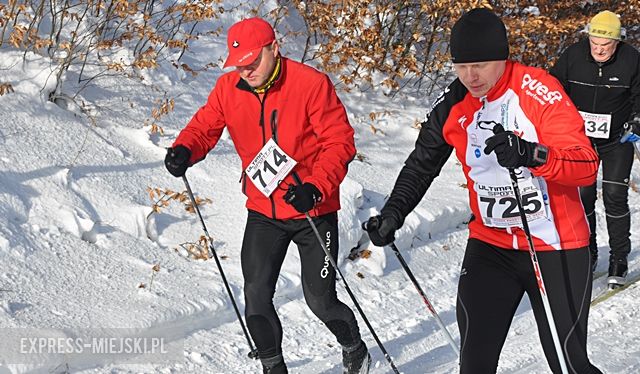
(253, 353)
(426, 300)
(413, 279)
(346, 285)
(538, 273)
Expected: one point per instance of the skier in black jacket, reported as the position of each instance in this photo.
(601, 74)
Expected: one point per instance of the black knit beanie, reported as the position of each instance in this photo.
(479, 35)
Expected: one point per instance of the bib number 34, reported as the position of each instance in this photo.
(597, 125)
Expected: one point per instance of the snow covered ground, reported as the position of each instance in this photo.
(77, 238)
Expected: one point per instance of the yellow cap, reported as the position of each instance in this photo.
(605, 24)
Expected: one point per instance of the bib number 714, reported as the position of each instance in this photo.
(270, 166)
(278, 159)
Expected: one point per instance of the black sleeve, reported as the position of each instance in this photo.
(425, 162)
(561, 70)
(635, 85)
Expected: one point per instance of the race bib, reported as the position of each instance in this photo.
(499, 207)
(596, 125)
(270, 166)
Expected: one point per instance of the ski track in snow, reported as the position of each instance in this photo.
(76, 241)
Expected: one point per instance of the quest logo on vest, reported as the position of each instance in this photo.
(539, 91)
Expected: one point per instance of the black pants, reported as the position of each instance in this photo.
(616, 168)
(492, 283)
(263, 250)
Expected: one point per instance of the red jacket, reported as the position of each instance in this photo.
(531, 103)
(312, 128)
(545, 114)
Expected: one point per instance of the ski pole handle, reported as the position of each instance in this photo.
(365, 224)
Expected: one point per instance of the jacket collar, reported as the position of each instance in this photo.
(501, 85)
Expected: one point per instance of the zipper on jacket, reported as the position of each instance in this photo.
(274, 135)
(264, 141)
(244, 86)
(264, 138)
(595, 92)
(274, 125)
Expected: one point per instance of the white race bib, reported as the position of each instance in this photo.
(499, 208)
(270, 166)
(596, 125)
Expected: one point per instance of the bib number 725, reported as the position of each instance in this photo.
(507, 206)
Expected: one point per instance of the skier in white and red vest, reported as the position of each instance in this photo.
(500, 115)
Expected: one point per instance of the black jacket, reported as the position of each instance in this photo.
(611, 87)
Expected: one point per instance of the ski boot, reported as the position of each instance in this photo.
(617, 272)
(356, 359)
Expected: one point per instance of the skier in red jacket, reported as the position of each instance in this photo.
(287, 125)
(546, 146)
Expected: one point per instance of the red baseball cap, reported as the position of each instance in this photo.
(245, 40)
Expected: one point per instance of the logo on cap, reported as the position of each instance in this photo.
(248, 55)
(245, 40)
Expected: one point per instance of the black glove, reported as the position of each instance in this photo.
(381, 230)
(177, 160)
(631, 131)
(303, 197)
(513, 151)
